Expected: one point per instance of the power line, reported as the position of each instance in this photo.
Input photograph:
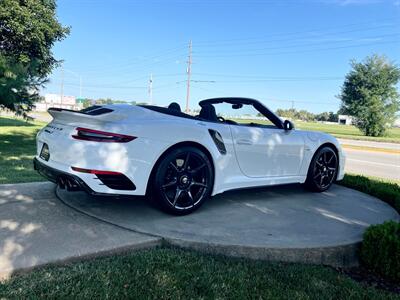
(298, 51)
(320, 30)
(144, 60)
(361, 40)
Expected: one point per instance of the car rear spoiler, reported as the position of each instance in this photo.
(94, 116)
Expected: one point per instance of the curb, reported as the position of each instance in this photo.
(335, 256)
(4, 274)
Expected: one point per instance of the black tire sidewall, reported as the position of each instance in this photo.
(159, 196)
(310, 183)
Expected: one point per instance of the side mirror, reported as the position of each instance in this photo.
(288, 125)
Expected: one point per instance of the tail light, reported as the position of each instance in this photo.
(86, 134)
(96, 172)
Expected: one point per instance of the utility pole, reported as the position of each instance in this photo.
(62, 85)
(151, 89)
(189, 73)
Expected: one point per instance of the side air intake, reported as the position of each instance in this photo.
(218, 140)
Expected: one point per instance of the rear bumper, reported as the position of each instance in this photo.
(65, 180)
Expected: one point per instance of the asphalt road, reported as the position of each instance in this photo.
(373, 163)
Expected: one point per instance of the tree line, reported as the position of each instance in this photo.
(305, 115)
(29, 29)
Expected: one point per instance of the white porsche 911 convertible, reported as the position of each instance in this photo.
(179, 160)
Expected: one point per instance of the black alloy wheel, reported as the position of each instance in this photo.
(323, 170)
(183, 181)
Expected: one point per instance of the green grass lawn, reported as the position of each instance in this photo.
(350, 132)
(340, 131)
(166, 273)
(17, 149)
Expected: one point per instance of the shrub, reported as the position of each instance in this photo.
(380, 250)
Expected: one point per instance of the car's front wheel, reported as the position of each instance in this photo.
(323, 170)
(183, 180)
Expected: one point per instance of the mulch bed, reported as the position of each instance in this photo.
(369, 278)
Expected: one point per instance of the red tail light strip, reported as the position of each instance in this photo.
(87, 134)
(97, 172)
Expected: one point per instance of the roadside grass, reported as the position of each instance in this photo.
(350, 132)
(17, 149)
(339, 131)
(168, 273)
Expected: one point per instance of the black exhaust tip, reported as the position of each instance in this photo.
(72, 185)
(61, 182)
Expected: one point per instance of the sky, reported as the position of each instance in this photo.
(285, 53)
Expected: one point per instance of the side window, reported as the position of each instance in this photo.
(245, 115)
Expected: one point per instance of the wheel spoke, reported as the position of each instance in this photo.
(174, 167)
(324, 158)
(189, 193)
(316, 176)
(332, 169)
(186, 163)
(330, 160)
(197, 169)
(177, 195)
(170, 184)
(321, 180)
(198, 184)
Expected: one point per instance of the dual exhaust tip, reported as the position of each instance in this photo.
(70, 184)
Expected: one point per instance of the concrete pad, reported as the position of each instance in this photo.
(283, 223)
(36, 229)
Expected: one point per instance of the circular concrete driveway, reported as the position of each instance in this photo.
(284, 223)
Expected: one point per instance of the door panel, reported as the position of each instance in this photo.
(265, 152)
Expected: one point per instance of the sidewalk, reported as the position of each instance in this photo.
(36, 228)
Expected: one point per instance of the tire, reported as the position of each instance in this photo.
(323, 169)
(183, 181)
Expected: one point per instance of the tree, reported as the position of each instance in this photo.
(369, 94)
(28, 30)
(18, 90)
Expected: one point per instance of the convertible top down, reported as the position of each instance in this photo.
(180, 160)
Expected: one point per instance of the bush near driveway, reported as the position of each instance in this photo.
(380, 249)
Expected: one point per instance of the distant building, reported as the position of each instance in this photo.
(54, 100)
(345, 119)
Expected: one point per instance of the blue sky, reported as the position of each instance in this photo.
(282, 52)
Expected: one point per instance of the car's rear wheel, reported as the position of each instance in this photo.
(323, 170)
(183, 180)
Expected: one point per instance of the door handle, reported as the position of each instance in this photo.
(244, 142)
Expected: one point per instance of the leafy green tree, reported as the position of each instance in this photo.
(327, 116)
(18, 90)
(28, 30)
(369, 94)
(333, 117)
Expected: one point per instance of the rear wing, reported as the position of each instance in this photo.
(91, 115)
